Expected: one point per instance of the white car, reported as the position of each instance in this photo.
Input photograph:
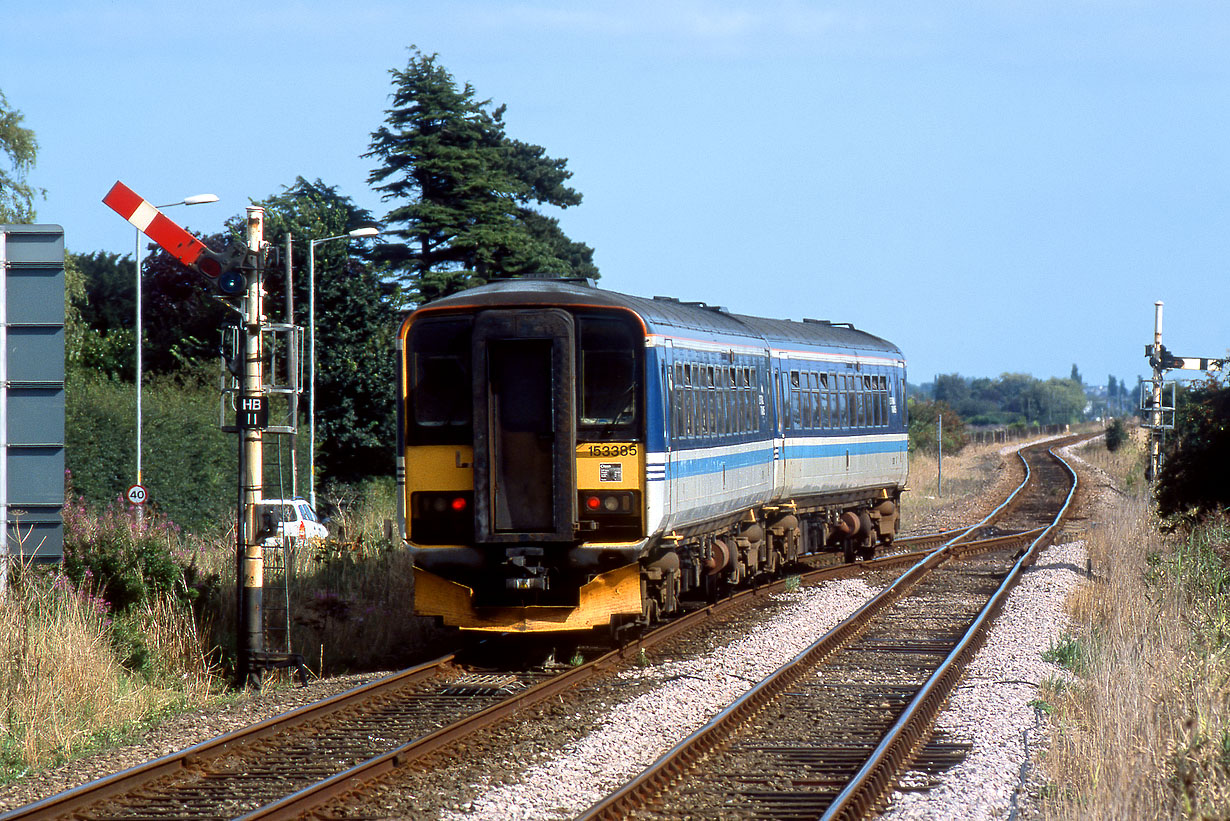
(293, 518)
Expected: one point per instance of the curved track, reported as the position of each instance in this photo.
(826, 735)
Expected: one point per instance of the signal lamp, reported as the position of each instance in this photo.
(232, 283)
(459, 504)
(209, 266)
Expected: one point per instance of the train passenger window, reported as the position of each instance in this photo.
(689, 423)
(440, 385)
(727, 403)
(677, 403)
(711, 401)
(843, 403)
(882, 389)
(608, 368)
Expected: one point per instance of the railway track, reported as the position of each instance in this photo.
(826, 735)
(286, 766)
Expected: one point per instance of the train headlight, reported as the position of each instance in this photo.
(592, 502)
(611, 504)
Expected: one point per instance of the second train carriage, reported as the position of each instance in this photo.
(571, 457)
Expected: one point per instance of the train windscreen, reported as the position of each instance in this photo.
(440, 384)
(608, 368)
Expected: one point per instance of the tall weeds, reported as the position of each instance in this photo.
(1143, 730)
(63, 686)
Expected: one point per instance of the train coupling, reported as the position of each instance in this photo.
(526, 564)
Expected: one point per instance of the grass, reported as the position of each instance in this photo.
(79, 673)
(967, 475)
(1143, 728)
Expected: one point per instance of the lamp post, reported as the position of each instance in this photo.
(196, 199)
(356, 233)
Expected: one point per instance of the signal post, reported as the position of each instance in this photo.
(237, 274)
(252, 419)
(1161, 416)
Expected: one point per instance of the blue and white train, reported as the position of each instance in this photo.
(572, 458)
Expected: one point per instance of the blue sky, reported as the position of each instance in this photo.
(994, 186)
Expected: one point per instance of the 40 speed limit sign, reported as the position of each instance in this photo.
(138, 495)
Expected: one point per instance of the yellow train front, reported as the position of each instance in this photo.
(522, 430)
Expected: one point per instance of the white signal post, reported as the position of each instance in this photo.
(1162, 360)
(252, 467)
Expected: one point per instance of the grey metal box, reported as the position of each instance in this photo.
(32, 389)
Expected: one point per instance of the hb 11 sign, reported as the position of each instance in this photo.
(252, 413)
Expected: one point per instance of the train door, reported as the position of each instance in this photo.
(524, 426)
(672, 425)
(780, 397)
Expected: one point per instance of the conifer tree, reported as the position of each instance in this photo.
(461, 189)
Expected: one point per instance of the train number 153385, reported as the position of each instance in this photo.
(613, 450)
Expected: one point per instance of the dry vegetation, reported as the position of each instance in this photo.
(69, 680)
(1142, 727)
(62, 685)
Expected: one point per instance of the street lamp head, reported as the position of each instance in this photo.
(200, 199)
(364, 232)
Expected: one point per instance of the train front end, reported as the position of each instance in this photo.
(523, 477)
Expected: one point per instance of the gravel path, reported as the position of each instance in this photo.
(991, 708)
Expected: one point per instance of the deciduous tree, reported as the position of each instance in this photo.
(357, 312)
(19, 150)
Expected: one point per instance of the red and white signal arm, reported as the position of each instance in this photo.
(175, 240)
(154, 224)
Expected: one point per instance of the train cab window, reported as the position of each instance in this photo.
(608, 368)
(440, 388)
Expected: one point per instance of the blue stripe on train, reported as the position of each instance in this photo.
(702, 465)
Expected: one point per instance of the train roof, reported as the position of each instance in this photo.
(668, 316)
